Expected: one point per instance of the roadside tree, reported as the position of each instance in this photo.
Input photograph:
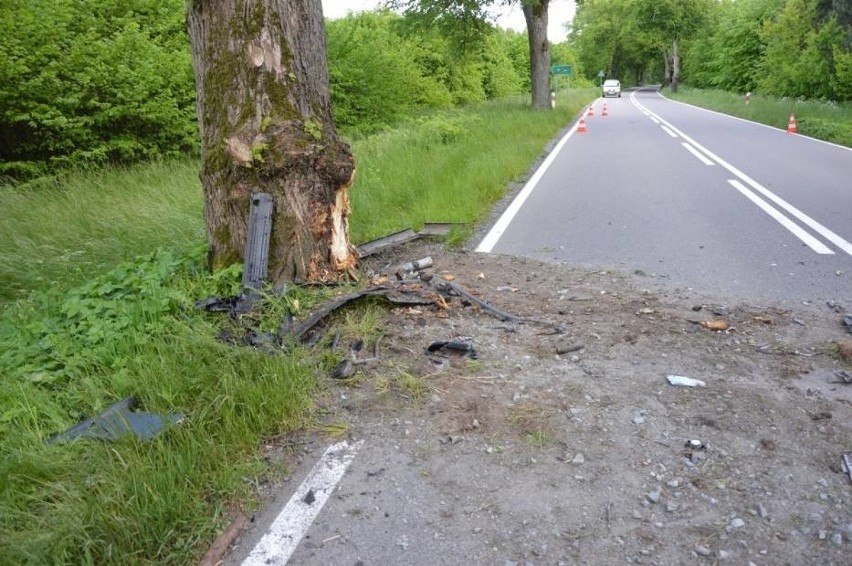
(266, 126)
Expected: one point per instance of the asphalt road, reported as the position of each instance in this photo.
(692, 199)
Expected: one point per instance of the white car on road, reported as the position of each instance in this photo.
(611, 87)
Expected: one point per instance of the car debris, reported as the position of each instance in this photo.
(403, 237)
(682, 381)
(715, 324)
(256, 253)
(349, 366)
(117, 421)
(846, 463)
(454, 346)
(569, 348)
(841, 376)
(408, 269)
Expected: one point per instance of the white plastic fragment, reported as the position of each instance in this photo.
(685, 381)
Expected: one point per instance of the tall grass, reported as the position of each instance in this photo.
(829, 121)
(86, 328)
(452, 166)
(63, 233)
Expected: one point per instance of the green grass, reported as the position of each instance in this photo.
(62, 233)
(99, 274)
(829, 121)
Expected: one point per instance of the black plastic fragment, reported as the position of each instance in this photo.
(454, 346)
(256, 254)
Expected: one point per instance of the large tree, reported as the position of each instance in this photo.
(466, 16)
(266, 127)
(672, 21)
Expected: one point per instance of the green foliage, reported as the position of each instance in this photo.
(799, 54)
(89, 83)
(608, 37)
(384, 67)
(795, 48)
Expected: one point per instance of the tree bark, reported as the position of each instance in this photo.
(535, 14)
(667, 72)
(264, 113)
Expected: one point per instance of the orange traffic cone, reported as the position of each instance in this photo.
(581, 127)
(791, 125)
(591, 111)
(604, 113)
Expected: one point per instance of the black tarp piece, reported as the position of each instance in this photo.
(117, 421)
(256, 253)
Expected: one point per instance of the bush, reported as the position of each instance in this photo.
(90, 83)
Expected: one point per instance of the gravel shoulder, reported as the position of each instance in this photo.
(573, 448)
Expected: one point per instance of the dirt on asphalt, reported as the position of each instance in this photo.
(572, 447)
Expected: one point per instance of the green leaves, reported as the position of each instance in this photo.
(85, 83)
(78, 328)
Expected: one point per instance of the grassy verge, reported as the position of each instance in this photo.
(450, 167)
(83, 326)
(829, 121)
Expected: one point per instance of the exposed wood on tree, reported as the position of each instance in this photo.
(265, 120)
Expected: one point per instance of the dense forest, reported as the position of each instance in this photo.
(85, 83)
(793, 48)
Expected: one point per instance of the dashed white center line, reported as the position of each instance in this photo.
(668, 130)
(288, 529)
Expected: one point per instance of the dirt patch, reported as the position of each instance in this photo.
(563, 448)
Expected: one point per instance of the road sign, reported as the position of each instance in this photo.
(562, 70)
(601, 74)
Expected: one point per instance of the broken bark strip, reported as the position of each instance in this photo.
(319, 314)
(445, 286)
(390, 294)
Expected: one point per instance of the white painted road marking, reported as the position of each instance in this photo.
(669, 132)
(490, 240)
(792, 210)
(809, 240)
(698, 155)
(285, 533)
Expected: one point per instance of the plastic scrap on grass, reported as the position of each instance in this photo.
(117, 421)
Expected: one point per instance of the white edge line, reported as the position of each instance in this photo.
(291, 524)
(490, 240)
(807, 220)
(654, 120)
(697, 154)
(667, 130)
(837, 145)
(809, 240)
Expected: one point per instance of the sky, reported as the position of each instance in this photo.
(560, 12)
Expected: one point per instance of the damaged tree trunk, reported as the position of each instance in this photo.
(264, 114)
